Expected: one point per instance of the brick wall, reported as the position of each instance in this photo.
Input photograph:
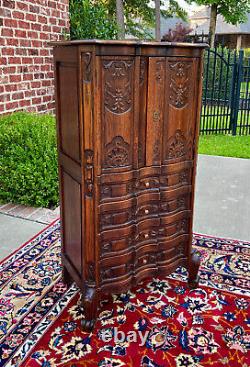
(26, 68)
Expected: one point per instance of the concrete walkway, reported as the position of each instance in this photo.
(14, 232)
(222, 204)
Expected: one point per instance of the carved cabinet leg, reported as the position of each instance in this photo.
(194, 264)
(90, 304)
(66, 278)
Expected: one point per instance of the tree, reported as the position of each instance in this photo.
(157, 20)
(90, 19)
(120, 19)
(139, 15)
(233, 11)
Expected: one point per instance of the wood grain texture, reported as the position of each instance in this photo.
(128, 123)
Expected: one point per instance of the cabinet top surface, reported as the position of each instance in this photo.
(135, 43)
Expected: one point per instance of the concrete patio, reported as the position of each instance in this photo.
(222, 204)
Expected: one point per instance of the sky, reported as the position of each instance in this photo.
(183, 4)
(188, 7)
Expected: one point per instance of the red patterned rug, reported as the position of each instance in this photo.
(159, 323)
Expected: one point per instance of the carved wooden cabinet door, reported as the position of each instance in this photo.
(118, 129)
(118, 163)
(181, 109)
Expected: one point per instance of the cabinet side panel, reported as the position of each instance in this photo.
(72, 220)
(68, 110)
(69, 156)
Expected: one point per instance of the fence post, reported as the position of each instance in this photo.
(236, 86)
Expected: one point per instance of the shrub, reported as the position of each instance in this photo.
(177, 34)
(90, 19)
(28, 160)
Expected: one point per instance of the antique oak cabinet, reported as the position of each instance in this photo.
(128, 123)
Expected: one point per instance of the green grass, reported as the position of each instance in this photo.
(220, 119)
(225, 145)
(245, 87)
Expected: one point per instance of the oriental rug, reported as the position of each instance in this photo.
(159, 323)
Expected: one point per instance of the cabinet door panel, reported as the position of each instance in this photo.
(181, 109)
(118, 75)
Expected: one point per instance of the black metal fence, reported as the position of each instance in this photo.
(226, 92)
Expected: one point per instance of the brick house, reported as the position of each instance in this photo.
(26, 66)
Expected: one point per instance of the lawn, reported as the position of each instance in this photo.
(213, 117)
(225, 145)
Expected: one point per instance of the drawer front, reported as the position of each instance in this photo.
(128, 184)
(125, 239)
(147, 231)
(173, 248)
(150, 257)
(148, 179)
(126, 212)
(177, 179)
(116, 186)
(118, 213)
(116, 266)
(173, 201)
(115, 272)
(176, 175)
(118, 239)
(175, 225)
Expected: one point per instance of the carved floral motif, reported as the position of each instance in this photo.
(181, 202)
(156, 116)
(107, 273)
(182, 226)
(91, 271)
(106, 191)
(177, 145)
(156, 151)
(180, 249)
(87, 72)
(140, 153)
(165, 206)
(107, 247)
(117, 153)
(143, 65)
(117, 86)
(183, 177)
(88, 172)
(179, 81)
(106, 220)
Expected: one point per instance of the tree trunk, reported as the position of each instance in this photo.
(157, 20)
(120, 19)
(212, 25)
